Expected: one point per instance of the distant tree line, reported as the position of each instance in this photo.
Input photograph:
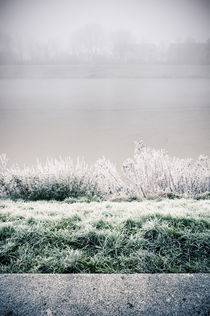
(91, 44)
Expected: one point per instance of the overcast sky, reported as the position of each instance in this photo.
(149, 20)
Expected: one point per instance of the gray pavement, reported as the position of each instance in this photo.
(103, 294)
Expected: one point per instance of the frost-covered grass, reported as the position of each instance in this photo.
(108, 237)
(150, 173)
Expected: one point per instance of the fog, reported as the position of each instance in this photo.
(95, 30)
(88, 78)
(151, 20)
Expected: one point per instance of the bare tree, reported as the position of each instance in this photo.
(89, 42)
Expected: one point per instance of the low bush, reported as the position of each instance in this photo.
(149, 174)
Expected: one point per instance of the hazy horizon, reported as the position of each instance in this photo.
(75, 31)
(151, 20)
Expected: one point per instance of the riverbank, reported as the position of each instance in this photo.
(152, 236)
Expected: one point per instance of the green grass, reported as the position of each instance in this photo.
(108, 237)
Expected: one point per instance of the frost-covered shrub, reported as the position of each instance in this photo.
(149, 173)
(108, 179)
(57, 179)
(152, 172)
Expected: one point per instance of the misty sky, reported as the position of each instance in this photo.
(149, 20)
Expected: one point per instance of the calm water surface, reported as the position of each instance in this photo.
(99, 114)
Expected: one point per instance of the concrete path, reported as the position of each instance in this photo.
(102, 294)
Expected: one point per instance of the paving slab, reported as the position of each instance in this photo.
(104, 294)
